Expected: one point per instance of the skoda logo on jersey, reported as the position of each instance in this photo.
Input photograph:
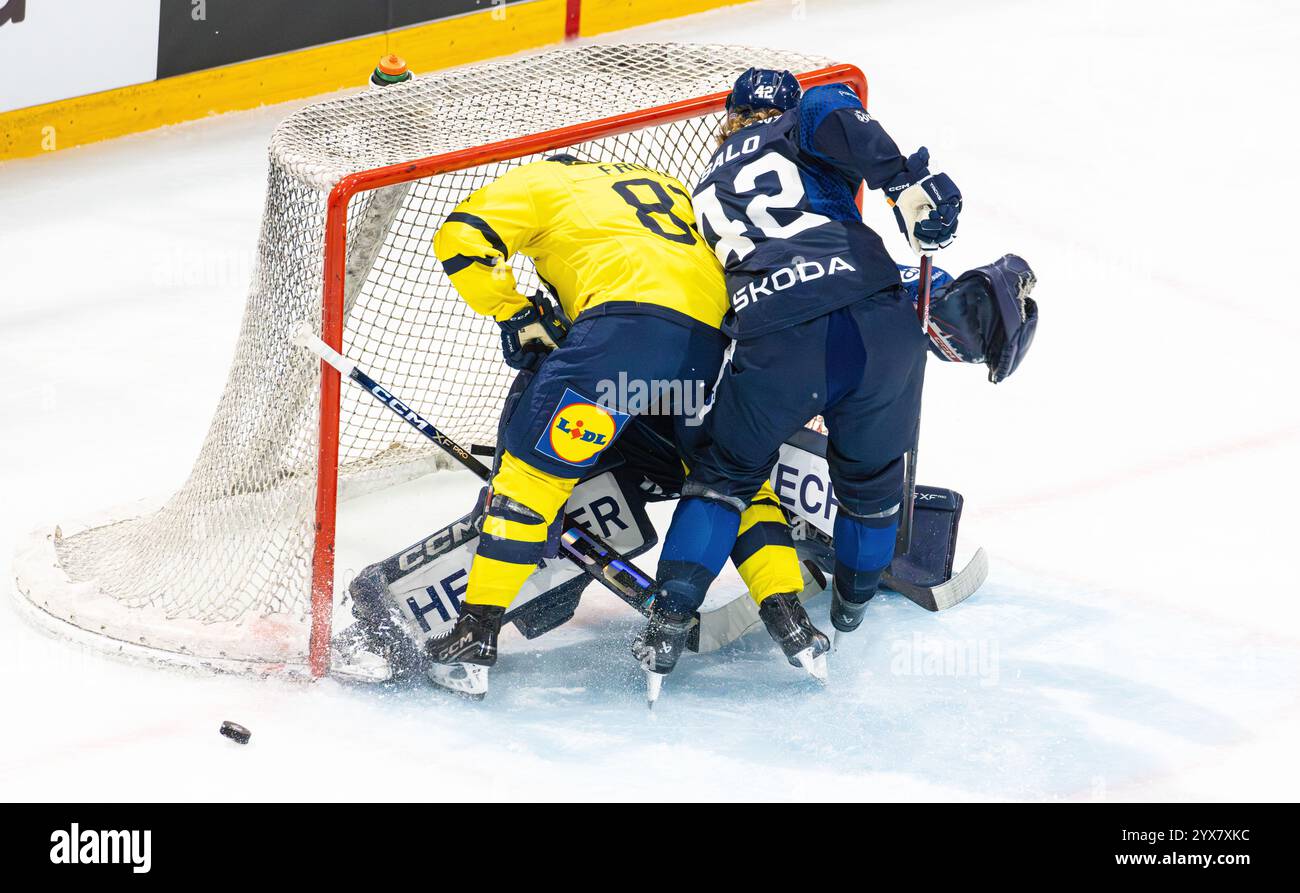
(787, 277)
(580, 430)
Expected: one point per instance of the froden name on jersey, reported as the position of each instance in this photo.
(787, 277)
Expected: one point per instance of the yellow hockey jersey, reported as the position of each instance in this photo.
(596, 232)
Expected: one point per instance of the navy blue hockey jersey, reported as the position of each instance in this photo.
(778, 206)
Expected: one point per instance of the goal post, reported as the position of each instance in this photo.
(236, 572)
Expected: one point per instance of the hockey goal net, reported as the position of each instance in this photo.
(236, 570)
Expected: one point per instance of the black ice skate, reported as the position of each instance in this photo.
(462, 657)
(659, 646)
(846, 616)
(804, 644)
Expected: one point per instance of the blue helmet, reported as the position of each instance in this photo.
(764, 88)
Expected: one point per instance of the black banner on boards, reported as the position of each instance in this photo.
(198, 34)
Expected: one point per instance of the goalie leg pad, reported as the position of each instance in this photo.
(379, 625)
(415, 595)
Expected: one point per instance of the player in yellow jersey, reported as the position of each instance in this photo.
(617, 245)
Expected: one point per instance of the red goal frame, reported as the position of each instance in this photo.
(322, 572)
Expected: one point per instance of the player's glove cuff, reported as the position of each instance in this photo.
(915, 169)
(532, 333)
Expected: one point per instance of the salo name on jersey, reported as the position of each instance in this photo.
(787, 277)
(730, 153)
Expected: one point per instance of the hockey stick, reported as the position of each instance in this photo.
(933, 596)
(904, 541)
(596, 559)
(923, 302)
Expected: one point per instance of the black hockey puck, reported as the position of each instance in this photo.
(235, 732)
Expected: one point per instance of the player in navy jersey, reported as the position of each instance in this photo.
(822, 326)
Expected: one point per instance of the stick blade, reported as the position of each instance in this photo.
(938, 597)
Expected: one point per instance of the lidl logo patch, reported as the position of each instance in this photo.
(580, 430)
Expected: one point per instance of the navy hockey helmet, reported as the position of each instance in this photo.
(764, 88)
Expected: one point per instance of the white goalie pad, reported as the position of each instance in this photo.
(801, 479)
(423, 584)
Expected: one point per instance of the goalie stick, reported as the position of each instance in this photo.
(596, 559)
(924, 574)
(904, 541)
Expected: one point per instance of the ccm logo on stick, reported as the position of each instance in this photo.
(398, 406)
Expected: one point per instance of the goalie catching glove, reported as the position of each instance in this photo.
(532, 333)
(926, 205)
(985, 316)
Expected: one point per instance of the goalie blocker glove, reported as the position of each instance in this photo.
(531, 334)
(926, 205)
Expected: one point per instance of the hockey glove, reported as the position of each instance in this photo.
(532, 333)
(926, 205)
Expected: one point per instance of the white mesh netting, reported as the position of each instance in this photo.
(220, 573)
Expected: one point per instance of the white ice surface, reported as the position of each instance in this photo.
(1134, 484)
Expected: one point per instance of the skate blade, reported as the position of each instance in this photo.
(467, 680)
(835, 639)
(654, 683)
(817, 666)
